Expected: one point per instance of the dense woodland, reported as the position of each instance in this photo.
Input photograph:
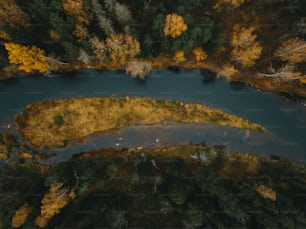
(265, 36)
(178, 187)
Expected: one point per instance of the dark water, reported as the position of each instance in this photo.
(284, 119)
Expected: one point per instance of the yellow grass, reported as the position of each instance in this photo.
(50, 124)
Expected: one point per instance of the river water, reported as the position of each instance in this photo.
(285, 119)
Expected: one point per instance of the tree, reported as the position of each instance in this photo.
(199, 54)
(285, 72)
(12, 14)
(122, 12)
(53, 201)
(266, 192)
(105, 23)
(174, 25)
(138, 69)
(28, 58)
(98, 47)
(80, 32)
(83, 56)
(121, 47)
(78, 11)
(221, 4)
(21, 215)
(292, 50)
(245, 49)
(179, 57)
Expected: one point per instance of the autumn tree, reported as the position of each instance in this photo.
(221, 4)
(21, 215)
(77, 9)
(53, 201)
(199, 54)
(121, 47)
(98, 47)
(266, 192)
(138, 68)
(179, 57)
(12, 14)
(246, 50)
(292, 50)
(28, 58)
(174, 25)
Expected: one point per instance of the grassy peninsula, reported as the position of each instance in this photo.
(49, 124)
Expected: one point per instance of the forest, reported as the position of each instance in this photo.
(183, 187)
(234, 38)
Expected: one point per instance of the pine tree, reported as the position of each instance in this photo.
(104, 22)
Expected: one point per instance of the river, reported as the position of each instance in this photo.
(285, 119)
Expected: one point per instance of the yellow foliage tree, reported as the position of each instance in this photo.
(53, 201)
(179, 57)
(121, 47)
(246, 50)
(174, 25)
(28, 58)
(266, 192)
(292, 50)
(199, 54)
(21, 215)
(232, 3)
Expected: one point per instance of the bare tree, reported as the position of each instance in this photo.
(285, 72)
(292, 50)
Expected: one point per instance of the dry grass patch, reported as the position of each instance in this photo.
(50, 124)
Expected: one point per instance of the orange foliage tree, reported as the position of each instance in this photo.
(199, 54)
(21, 215)
(292, 50)
(246, 50)
(121, 47)
(53, 201)
(28, 58)
(77, 9)
(174, 25)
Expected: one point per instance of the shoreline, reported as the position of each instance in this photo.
(251, 78)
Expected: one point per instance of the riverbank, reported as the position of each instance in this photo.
(251, 77)
(51, 123)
